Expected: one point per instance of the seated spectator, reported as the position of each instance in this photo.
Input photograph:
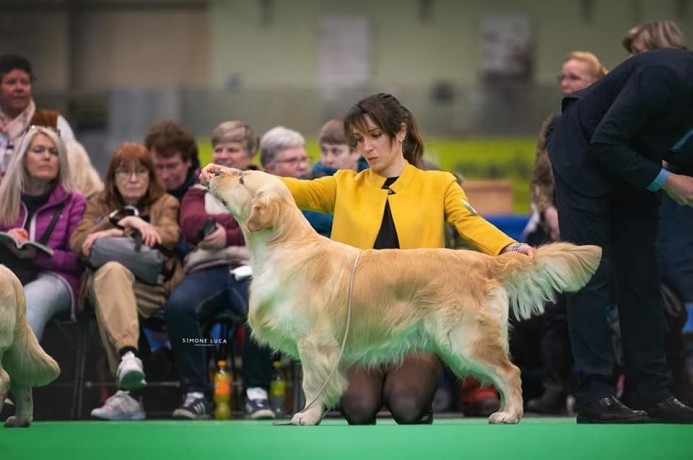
(210, 287)
(335, 151)
(85, 177)
(18, 110)
(283, 153)
(115, 294)
(174, 153)
(39, 203)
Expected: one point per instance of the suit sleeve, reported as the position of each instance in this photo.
(648, 95)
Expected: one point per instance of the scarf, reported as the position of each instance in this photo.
(11, 131)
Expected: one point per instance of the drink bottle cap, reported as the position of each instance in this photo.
(221, 363)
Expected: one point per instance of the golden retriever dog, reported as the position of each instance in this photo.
(23, 363)
(332, 305)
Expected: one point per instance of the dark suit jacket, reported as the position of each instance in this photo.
(625, 124)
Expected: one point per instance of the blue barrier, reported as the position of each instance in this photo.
(511, 225)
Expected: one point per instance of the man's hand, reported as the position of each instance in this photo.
(551, 218)
(679, 188)
(215, 240)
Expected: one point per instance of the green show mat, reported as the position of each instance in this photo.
(533, 438)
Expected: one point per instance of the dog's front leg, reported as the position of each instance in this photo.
(25, 407)
(323, 378)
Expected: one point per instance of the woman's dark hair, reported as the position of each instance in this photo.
(389, 115)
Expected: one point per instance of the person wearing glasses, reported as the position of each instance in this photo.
(579, 70)
(113, 291)
(40, 203)
(18, 110)
(283, 153)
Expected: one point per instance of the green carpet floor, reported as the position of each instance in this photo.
(533, 438)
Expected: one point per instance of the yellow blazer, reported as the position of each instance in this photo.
(421, 204)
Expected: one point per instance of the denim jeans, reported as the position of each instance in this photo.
(201, 296)
(46, 297)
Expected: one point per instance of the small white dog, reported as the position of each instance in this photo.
(23, 363)
(308, 293)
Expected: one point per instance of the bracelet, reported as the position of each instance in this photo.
(516, 247)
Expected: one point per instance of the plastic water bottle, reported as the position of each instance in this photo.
(278, 389)
(222, 392)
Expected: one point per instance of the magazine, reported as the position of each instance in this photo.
(24, 247)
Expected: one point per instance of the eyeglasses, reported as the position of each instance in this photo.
(127, 173)
(294, 161)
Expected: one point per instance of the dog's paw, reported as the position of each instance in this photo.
(309, 417)
(15, 422)
(503, 417)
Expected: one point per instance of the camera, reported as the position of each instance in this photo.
(208, 228)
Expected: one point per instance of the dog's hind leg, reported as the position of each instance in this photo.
(323, 378)
(25, 407)
(481, 349)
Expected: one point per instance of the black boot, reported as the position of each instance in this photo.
(553, 401)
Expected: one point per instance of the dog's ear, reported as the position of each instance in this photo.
(264, 210)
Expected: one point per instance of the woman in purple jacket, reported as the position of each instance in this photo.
(36, 192)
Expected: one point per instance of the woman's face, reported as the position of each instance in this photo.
(383, 154)
(231, 154)
(575, 75)
(41, 161)
(132, 181)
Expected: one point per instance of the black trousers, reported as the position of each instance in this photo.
(624, 224)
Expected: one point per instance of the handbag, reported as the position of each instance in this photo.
(23, 267)
(146, 263)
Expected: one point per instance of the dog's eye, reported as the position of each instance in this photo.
(240, 180)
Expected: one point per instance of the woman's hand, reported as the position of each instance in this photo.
(522, 248)
(209, 171)
(215, 240)
(19, 234)
(150, 236)
(89, 242)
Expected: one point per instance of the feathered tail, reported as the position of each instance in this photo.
(26, 362)
(555, 267)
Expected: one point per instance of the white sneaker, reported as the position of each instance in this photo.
(130, 372)
(120, 406)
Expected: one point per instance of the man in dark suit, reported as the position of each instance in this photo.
(607, 152)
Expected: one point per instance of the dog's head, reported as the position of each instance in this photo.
(253, 197)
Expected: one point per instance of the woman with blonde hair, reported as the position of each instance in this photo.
(133, 201)
(85, 178)
(40, 204)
